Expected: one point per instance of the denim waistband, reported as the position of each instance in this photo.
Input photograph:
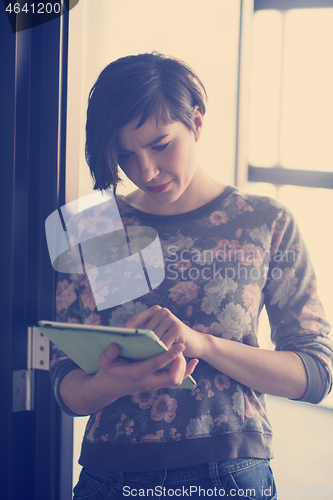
(170, 476)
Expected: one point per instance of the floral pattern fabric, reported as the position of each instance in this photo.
(223, 262)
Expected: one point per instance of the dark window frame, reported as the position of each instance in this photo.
(291, 4)
(36, 446)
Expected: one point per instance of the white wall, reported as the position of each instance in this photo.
(205, 35)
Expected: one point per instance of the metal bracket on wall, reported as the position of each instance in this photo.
(38, 352)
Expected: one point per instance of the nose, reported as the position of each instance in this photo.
(148, 168)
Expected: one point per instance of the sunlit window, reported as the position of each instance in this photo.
(291, 122)
(291, 106)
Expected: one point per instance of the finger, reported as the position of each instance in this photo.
(190, 367)
(108, 356)
(142, 317)
(169, 356)
(177, 370)
(173, 377)
(156, 324)
(161, 316)
(177, 373)
(161, 380)
(169, 338)
(156, 363)
(180, 370)
(164, 323)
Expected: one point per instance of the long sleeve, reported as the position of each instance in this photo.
(68, 311)
(295, 312)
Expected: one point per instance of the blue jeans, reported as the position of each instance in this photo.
(241, 478)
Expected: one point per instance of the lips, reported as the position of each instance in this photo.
(159, 188)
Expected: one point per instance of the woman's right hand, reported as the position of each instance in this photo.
(86, 394)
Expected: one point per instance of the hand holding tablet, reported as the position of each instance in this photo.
(85, 343)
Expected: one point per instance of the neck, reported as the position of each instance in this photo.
(201, 191)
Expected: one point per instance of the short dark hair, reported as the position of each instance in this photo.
(146, 85)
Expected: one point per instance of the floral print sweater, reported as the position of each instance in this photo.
(224, 262)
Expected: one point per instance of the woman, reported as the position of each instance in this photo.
(226, 255)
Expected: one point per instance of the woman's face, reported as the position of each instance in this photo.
(160, 159)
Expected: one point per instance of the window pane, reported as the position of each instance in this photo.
(307, 98)
(291, 84)
(261, 188)
(265, 88)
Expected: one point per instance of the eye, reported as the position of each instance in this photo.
(162, 147)
(124, 155)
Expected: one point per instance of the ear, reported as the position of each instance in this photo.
(198, 117)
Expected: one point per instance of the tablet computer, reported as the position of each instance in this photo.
(85, 343)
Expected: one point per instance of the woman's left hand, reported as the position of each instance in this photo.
(169, 329)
